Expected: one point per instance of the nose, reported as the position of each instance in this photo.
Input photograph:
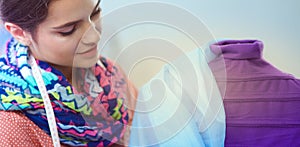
(92, 34)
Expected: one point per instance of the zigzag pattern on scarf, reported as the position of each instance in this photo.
(77, 102)
(10, 99)
(95, 88)
(8, 76)
(77, 121)
(85, 133)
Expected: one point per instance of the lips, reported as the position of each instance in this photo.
(88, 53)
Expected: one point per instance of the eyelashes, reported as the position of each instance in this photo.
(69, 32)
(93, 15)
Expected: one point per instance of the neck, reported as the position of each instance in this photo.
(66, 71)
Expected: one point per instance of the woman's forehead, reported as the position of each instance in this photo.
(61, 11)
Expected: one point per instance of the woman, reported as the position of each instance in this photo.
(52, 80)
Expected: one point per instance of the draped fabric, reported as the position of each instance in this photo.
(180, 106)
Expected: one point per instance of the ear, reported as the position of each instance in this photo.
(18, 33)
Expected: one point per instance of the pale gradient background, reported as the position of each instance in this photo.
(275, 22)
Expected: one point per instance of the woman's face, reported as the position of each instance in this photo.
(70, 34)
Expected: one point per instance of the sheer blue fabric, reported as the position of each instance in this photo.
(180, 106)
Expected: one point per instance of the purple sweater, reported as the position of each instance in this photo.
(262, 104)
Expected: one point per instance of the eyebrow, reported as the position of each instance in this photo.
(77, 21)
(67, 24)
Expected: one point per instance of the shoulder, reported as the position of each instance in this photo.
(119, 75)
(120, 78)
(111, 70)
(17, 130)
(110, 65)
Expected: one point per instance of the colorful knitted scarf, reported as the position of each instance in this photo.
(95, 116)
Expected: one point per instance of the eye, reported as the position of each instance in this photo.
(68, 32)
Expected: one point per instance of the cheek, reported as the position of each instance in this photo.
(60, 45)
(57, 49)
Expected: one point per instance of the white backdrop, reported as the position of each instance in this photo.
(275, 22)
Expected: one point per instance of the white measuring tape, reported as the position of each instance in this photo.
(48, 107)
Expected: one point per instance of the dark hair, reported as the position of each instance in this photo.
(27, 14)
